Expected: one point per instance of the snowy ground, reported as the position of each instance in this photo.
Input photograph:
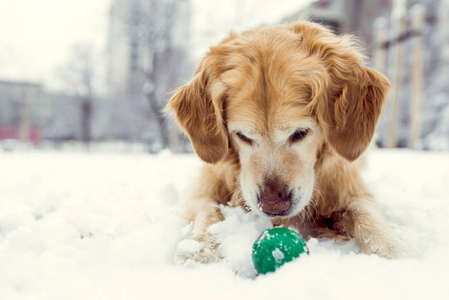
(106, 226)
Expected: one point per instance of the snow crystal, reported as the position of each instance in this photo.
(278, 255)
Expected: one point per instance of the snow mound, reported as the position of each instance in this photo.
(92, 226)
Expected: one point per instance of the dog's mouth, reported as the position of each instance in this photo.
(275, 208)
(276, 201)
(283, 207)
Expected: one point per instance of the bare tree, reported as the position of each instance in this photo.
(152, 30)
(79, 76)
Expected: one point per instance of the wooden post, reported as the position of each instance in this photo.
(444, 28)
(380, 28)
(398, 30)
(417, 22)
(25, 117)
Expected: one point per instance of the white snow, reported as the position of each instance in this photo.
(107, 226)
(278, 255)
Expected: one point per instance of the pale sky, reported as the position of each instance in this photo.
(36, 36)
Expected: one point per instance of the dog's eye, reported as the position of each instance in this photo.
(298, 135)
(243, 138)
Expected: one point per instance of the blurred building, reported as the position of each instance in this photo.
(22, 111)
(64, 123)
(30, 115)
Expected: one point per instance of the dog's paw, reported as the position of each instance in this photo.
(389, 248)
(195, 250)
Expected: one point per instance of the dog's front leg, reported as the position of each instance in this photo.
(372, 231)
(201, 246)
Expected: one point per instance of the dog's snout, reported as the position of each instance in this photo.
(275, 197)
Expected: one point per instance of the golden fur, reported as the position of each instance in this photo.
(280, 115)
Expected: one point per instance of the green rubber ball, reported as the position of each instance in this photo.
(276, 246)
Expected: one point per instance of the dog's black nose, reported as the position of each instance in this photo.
(275, 197)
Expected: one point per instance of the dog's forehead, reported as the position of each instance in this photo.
(252, 114)
(264, 105)
(268, 84)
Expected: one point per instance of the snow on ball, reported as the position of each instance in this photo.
(276, 246)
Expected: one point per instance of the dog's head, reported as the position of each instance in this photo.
(275, 96)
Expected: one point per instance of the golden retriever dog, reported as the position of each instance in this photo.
(280, 115)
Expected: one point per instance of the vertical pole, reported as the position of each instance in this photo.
(380, 48)
(444, 28)
(380, 33)
(25, 117)
(417, 14)
(398, 29)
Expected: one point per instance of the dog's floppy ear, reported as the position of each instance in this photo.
(352, 114)
(350, 100)
(198, 108)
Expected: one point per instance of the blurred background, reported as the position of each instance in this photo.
(94, 75)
